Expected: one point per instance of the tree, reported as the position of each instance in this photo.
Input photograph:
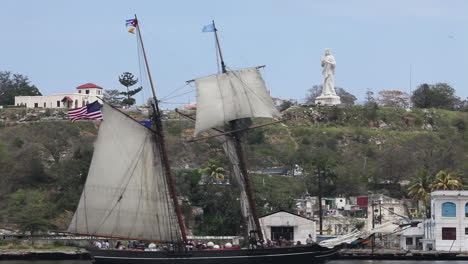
(113, 97)
(12, 85)
(213, 169)
(393, 98)
(447, 181)
(285, 105)
(369, 96)
(439, 95)
(127, 79)
(370, 107)
(346, 97)
(420, 189)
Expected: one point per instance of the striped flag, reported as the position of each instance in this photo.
(89, 111)
(131, 22)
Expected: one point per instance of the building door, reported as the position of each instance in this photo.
(286, 232)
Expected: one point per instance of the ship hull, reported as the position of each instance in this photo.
(295, 255)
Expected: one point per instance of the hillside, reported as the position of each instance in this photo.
(366, 149)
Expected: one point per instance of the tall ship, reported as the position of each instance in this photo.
(130, 192)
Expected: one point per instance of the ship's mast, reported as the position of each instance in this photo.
(160, 140)
(239, 151)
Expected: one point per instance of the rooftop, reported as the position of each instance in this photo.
(89, 85)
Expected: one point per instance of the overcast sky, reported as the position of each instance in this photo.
(62, 44)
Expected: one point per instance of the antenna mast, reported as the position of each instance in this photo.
(240, 153)
(223, 66)
(161, 142)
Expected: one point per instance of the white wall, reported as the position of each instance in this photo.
(51, 100)
(460, 222)
(302, 226)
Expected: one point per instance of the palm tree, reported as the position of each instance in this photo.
(213, 170)
(420, 189)
(447, 181)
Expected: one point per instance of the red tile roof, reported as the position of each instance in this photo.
(89, 85)
(67, 98)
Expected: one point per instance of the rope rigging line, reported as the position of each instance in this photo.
(179, 95)
(174, 91)
(178, 103)
(140, 63)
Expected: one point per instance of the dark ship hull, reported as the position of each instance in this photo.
(288, 255)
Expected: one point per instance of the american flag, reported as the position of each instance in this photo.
(89, 111)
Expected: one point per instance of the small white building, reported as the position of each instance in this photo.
(447, 230)
(85, 94)
(412, 236)
(291, 227)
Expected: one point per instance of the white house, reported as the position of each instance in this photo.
(447, 230)
(412, 236)
(291, 227)
(85, 94)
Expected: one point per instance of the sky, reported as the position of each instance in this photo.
(378, 45)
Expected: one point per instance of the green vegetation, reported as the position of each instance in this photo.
(12, 85)
(127, 79)
(361, 149)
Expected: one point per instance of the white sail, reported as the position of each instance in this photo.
(230, 150)
(126, 192)
(230, 96)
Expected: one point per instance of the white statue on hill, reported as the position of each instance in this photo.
(328, 96)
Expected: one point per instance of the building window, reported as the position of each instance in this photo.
(36, 105)
(58, 103)
(45, 105)
(285, 232)
(466, 230)
(449, 209)
(449, 233)
(409, 241)
(87, 91)
(466, 210)
(79, 91)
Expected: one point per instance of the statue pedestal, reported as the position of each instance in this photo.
(329, 100)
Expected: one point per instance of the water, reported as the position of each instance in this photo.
(394, 262)
(328, 262)
(45, 262)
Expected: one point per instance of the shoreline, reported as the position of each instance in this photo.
(346, 254)
(389, 254)
(37, 254)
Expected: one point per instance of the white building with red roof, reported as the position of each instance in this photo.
(85, 94)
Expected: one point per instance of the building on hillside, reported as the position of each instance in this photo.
(341, 225)
(291, 227)
(447, 230)
(306, 205)
(85, 94)
(387, 210)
